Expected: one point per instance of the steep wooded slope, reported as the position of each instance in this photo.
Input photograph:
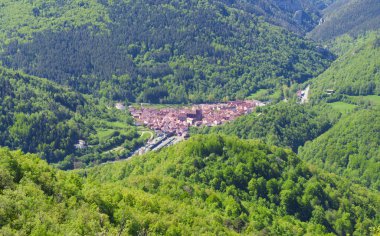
(299, 16)
(357, 72)
(23, 18)
(166, 51)
(352, 17)
(41, 117)
(206, 185)
(350, 148)
(284, 124)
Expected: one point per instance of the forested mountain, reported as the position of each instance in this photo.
(283, 124)
(350, 148)
(357, 72)
(41, 117)
(161, 51)
(206, 185)
(299, 16)
(22, 18)
(64, 65)
(352, 17)
(37, 116)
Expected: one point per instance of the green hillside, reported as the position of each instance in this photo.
(166, 51)
(352, 17)
(296, 166)
(24, 18)
(357, 72)
(299, 16)
(350, 148)
(284, 124)
(41, 117)
(21, 19)
(206, 185)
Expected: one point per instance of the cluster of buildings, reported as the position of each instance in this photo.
(178, 120)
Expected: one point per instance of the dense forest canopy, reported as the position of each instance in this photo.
(41, 117)
(347, 17)
(284, 124)
(69, 70)
(23, 18)
(356, 72)
(206, 185)
(196, 51)
(350, 148)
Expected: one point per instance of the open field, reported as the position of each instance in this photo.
(342, 107)
(259, 94)
(265, 95)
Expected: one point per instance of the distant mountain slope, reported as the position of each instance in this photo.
(357, 72)
(168, 51)
(350, 148)
(348, 17)
(22, 18)
(41, 117)
(299, 16)
(206, 185)
(37, 116)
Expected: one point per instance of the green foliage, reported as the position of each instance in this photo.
(36, 199)
(283, 124)
(38, 116)
(347, 17)
(206, 185)
(196, 51)
(342, 107)
(219, 171)
(372, 101)
(350, 148)
(357, 72)
(21, 19)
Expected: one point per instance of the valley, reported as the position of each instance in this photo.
(178, 120)
(185, 117)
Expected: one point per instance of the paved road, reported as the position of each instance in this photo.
(160, 142)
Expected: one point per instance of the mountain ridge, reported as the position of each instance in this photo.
(351, 17)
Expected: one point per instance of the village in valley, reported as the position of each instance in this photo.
(176, 121)
(171, 124)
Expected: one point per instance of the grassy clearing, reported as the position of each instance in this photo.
(266, 95)
(117, 125)
(107, 129)
(259, 94)
(105, 133)
(342, 107)
(146, 135)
